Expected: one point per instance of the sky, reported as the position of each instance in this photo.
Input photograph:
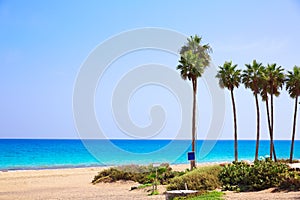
(44, 44)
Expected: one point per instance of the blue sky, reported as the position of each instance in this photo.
(44, 43)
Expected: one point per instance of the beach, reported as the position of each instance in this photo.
(72, 183)
(75, 183)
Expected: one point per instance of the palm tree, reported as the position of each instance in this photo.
(274, 78)
(264, 95)
(194, 58)
(229, 77)
(251, 79)
(293, 88)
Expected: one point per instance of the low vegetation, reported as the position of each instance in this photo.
(282, 160)
(238, 176)
(291, 182)
(137, 173)
(202, 179)
(213, 195)
(261, 175)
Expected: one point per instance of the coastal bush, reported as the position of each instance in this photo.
(261, 175)
(202, 179)
(111, 175)
(137, 173)
(233, 175)
(291, 182)
(282, 160)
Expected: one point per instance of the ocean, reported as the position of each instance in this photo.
(17, 154)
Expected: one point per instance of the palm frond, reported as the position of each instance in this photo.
(229, 76)
(194, 58)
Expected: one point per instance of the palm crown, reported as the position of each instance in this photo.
(251, 77)
(273, 78)
(194, 58)
(293, 82)
(229, 76)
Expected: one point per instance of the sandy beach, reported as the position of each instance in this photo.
(70, 184)
(75, 183)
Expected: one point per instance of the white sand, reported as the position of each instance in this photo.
(70, 184)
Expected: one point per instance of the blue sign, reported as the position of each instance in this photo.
(191, 155)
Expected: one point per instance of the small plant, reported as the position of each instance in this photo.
(155, 192)
(144, 185)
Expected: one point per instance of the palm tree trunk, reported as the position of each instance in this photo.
(294, 130)
(235, 127)
(193, 162)
(272, 127)
(269, 126)
(257, 127)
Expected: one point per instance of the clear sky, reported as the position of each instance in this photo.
(44, 43)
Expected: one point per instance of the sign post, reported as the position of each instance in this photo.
(191, 157)
(154, 188)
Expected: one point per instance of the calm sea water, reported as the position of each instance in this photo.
(32, 154)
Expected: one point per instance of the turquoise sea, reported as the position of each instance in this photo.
(42, 154)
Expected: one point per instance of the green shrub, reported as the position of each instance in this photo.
(282, 160)
(261, 175)
(140, 174)
(233, 175)
(291, 182)
(204, 178)
(111, 175)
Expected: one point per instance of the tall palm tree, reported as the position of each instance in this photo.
(264, 95)
(230, 77)
(194, 58)
(293, 88)
(251, 78)
(274, 78)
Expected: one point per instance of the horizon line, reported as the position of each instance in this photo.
(224, 139)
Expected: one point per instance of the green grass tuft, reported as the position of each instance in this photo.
(206, 196)
(155, 192)
(144, 185)
(137, 173)
(202, 179)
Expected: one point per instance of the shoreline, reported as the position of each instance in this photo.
(62, 167)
